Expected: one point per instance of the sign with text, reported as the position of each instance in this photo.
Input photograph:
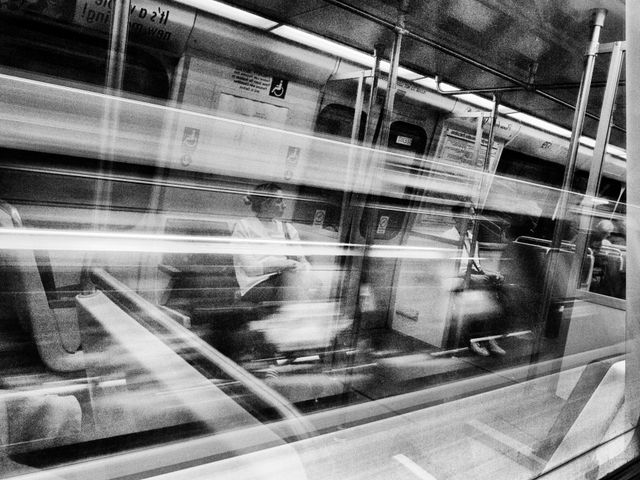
(460, 166)
(249, 81)
(162, 25)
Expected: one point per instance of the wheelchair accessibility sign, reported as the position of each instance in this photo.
(278, 87)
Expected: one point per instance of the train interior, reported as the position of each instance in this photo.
(122, 316)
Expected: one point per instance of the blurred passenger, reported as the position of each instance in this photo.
(263, 276)
(601, 234)
(607, 277)
(477, 307)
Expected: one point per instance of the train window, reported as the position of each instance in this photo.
(204, 274)
(321, 206)
(337, 120)
(60, 53)
(411, 141)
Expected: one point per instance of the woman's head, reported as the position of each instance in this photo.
(266, 201)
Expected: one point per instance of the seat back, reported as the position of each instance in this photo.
(57, 339)
(609, 274)
(198, 279)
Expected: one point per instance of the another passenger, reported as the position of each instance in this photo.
(601, 234)
(477, 305)
(606, 278)
(262, 275)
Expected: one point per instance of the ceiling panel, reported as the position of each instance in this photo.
(504, 36)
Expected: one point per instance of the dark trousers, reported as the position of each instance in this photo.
(481, 313)
(270, 290)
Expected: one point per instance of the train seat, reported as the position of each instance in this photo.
(609, 273)
(39, 420)
(524, 264)
(55, 334)
(197, 280)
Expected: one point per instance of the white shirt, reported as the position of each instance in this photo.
(252, 268)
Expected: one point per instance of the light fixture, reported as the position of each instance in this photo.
(324, 45)
(229, 12)
(366, 60)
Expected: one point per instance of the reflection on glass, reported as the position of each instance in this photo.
(215, 270)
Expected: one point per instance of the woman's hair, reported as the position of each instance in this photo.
(261, 194)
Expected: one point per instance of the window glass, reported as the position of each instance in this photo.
(207, 269)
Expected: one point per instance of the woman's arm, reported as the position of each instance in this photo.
(256, 264)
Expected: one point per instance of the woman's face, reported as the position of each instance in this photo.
(273, 207)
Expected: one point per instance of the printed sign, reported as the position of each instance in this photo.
(151, 22)
(249, 81)
(401, 140)
(190, 137)
(318, 218)
(383, 223)
(293, 155)
(457, 147)
(278, 87)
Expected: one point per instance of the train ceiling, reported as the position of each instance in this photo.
(503, 39)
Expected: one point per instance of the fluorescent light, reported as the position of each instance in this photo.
(476, 100)
(541, 124)
(403, 73)
(232, 13)
(407, 74)
(617, 151)
(357, 56)
(324, 45)
(447, 87)
(427, 82)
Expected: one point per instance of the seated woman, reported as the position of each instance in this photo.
(263, 276)
(476, 293)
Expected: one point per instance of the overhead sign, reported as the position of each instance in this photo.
(458, 147)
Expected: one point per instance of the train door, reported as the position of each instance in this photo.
(460, 171)
(387, 212)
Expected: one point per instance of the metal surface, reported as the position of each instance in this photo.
(578, 123)
(394, 61)
(116, 64)
(373, 94)
(597, 161)
(478, 44)
(117, 45)
(561, 209)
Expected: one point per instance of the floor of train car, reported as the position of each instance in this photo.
(405, 364)
(388, 363)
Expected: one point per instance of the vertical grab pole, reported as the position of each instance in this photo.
(357, 283)
(117, 45)
(116, 56)
(113, 86)
(481, 183)
(572, 155)
(597, 162)
(378, 51)
(392, 85)
(357, 114)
